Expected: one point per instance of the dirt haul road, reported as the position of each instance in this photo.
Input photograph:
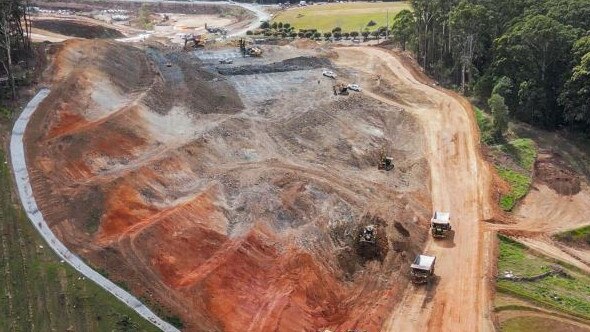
(458, 298)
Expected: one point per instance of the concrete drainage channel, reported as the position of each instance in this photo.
(25, 191)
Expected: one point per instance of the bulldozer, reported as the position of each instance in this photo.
(385, 162)
(340, 89)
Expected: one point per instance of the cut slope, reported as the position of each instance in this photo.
(228, 219)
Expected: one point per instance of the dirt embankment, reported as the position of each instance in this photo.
(77, 29)
(299, 63)
(155, 7)
(228, 218)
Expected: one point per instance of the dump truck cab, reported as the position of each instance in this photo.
(422, 269)
(440, 224)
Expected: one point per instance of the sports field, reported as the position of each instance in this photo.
(352, 16)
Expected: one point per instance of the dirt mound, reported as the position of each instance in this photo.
(293, 64)
(152, 169)
(552, 170)
(77, 29)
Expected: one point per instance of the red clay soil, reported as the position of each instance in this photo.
(160, 199)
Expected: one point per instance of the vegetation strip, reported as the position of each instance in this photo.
(566, 293)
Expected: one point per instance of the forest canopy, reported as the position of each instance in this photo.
(534, 54)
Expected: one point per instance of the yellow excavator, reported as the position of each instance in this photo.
(197, 41)
(249, 50)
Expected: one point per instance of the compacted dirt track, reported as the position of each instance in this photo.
(457, 300)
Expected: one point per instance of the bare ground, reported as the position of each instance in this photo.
(229, 203)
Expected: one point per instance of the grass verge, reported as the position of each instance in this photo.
(518, 173)
(519, 187)
(352, 16)
(38, 292)
(579, 236)
(570, 295)
(514, 160)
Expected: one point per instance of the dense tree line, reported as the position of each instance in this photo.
(15, 44)
(528, 58)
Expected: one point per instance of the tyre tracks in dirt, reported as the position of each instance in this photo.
(459, 298)
(25, 191)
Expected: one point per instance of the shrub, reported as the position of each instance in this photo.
(287, 26)
(274, 25)
(371, 23)
(249, 32)
(354, 34)
(337, 29)
(308, 34)
(264, 25)
(346, 35)
(301, 34)
(280, 25)
(337, 35)
(317, 35)
(327, 35)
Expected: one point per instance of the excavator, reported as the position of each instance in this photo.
(198, 41)
(340, 89)
(249, 50)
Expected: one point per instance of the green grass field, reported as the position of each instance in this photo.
(352, 16)
(537, 324)
(570, 295)
(38, 293)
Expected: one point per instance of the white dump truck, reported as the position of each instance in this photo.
(422, 269)
(440, 224)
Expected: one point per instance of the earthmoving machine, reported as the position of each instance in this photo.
(368, 234)
(385, 162)
(439, 224)
(197, 41)
(254, 51)
(340, 89)
(329, 73)
(249, 50)
(217, 30)
(422, 269)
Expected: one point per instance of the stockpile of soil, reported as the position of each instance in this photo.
(552, 170)
(299, 63)
(77, 29)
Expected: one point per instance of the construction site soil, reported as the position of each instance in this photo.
(134, 6)
(77, 29)
(235, 202)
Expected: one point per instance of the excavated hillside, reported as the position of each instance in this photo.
(228, 209)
